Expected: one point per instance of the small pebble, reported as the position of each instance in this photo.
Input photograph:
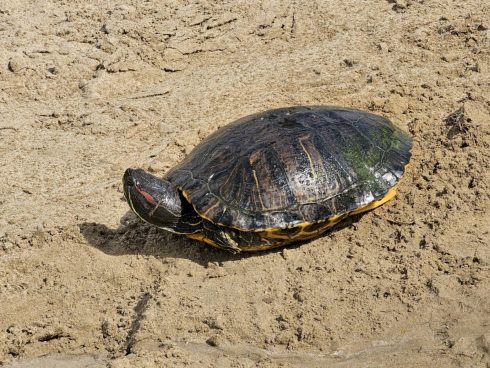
(214, 341)
(16, 65)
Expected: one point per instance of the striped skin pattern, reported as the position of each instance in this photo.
(284, 170)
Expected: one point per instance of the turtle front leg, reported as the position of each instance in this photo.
(225, 241)
(221, 237)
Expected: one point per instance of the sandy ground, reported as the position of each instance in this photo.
(89, 88)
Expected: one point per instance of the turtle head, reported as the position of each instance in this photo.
(153, 199)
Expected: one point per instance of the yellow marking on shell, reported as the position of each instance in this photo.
(308, 155)
(203, 215)
(303, 233)
(200, 237)
(210, 208)
(258, 189)
(186, 196)
(389, 195)
(276, 234)
(335, 219)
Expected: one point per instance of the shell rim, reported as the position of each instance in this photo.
(391, 190)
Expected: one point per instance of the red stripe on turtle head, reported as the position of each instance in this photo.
(147, 196)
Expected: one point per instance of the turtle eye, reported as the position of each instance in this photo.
(129, 182)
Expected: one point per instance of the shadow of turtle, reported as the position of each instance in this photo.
(136, 237)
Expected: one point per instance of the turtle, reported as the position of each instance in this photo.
(276, 177)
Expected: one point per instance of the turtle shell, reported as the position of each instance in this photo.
(291, 166)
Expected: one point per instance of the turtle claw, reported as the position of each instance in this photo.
(226, 242)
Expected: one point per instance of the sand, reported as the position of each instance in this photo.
(89, 88)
